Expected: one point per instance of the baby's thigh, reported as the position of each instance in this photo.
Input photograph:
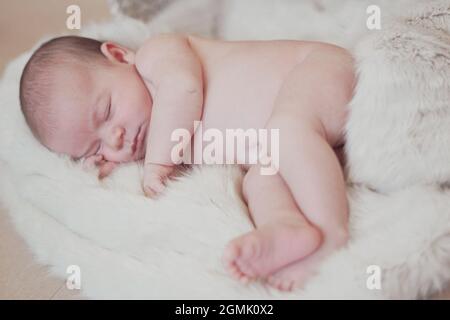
(317, 91)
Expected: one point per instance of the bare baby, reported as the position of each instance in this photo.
(104, 103)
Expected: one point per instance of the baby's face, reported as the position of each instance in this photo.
(102, 111)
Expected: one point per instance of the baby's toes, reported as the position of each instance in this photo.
(230, 254)
(250, 249)
(280, 283)
(274, 282)
(240, 254)
(230, 259)
(287, 285)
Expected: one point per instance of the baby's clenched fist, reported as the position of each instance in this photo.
(98, 162)
(155, 177)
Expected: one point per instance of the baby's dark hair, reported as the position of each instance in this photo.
(37, 79)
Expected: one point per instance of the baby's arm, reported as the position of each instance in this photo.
(173, 75)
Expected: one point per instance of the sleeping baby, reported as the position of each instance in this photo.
(105, 104)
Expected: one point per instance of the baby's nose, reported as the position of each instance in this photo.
(118, 137)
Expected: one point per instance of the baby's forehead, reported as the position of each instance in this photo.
(73, 103)
(72, 85)
(76, 75)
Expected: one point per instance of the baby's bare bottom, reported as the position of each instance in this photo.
(301, 213)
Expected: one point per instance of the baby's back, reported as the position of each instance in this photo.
(242, 79)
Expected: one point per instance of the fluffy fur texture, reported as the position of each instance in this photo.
(131, 247)
(193, 16)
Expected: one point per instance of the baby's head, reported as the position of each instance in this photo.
(84, 97)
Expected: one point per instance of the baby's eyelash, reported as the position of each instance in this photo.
(108, 111)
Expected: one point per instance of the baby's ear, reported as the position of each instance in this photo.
(117, 53)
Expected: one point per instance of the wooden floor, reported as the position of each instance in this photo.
(22, 23)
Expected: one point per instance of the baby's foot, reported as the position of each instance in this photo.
(265, 250)
(297, 273)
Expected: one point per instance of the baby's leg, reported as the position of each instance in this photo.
(310, 112)
(312, 171)
(282, 236)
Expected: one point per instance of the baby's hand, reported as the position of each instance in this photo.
(97, 161)
(155, 176)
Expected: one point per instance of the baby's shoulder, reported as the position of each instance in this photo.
(163, 52)
(162, 46)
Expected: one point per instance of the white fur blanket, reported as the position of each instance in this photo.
(128, 246)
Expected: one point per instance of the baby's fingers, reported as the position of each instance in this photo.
(150, 193)
(105, 169)
(92, 161)
(154, 188)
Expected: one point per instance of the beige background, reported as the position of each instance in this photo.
(22, 23)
